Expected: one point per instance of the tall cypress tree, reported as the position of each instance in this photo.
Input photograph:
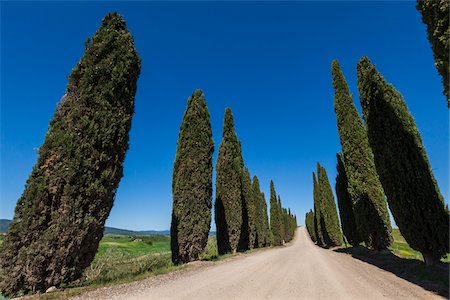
(309, 222)
(281, 220)
(317, 212)
(259, 222)
(248, 229)
(330, 225)
(60, 217)
(435, 14)
(364, 187)
(275, 217)
(192, 182)
(402, 163)
(267, 241)
(228, 205)
(345, 204)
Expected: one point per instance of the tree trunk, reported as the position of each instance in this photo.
(429, 259)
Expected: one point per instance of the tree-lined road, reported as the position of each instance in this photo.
(300, 270)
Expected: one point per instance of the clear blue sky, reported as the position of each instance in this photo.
(269, 62)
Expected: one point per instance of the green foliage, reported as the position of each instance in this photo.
(275, 221)
(309, 222)
(317, 212)
(290, 224)
(262, 237)
(364, 187)
(329, 218)
(192, 182)
(249, 213)
(228, 205)
(59, 219)
(282, 222)
(435, 14)
(345, 204)
(402, 164)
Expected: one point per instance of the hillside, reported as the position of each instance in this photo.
(4, 223)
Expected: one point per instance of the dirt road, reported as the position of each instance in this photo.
(297, 271)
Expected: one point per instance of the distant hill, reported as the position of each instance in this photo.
(4, 223)
(113, 230)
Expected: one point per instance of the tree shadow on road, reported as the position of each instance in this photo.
(434, 279)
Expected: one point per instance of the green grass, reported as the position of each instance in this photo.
(401, 248)
(122, 257)
(134, 245)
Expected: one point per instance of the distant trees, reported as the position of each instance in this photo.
(192, 182)
(435, 14)
(345, 204)
(248, 236)
(330, 226)
(59, 219)
(309, 222)
(364, 188)
(290, 224)
(402, 164)
(275, 217)
(262, 237)
(228, 206)
(326, 222)
(317, 212)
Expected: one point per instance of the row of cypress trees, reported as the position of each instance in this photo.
(325, 218)
(282, 222)
(383, 159)
(240, 207)
(310, 227)
(59, 219)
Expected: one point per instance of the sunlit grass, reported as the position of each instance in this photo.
(401, 248)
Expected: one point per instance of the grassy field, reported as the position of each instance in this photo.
(401, 248)
(122, 257)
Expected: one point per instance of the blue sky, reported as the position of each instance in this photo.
(269, 62)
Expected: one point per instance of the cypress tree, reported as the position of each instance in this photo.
(435, 14)
(267, 241)
(281, 221)
(345, 204)
(332, 230)
(309, 222)
(228, 205)
(402, 163)
(275, 217)
(248, 230)
(59, 219)
(261, 235)
(317, 212)
(364, 187)
(192, 182)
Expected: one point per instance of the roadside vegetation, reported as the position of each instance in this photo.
(401, 248)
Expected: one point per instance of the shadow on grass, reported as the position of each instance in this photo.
(434, 279)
